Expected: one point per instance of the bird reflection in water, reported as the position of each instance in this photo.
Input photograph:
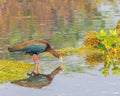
(38, 80)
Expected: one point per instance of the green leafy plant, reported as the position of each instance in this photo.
(109, 44)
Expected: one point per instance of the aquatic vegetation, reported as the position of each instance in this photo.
(13, 70)
(109, 45)
(91, 39)
(94, 59)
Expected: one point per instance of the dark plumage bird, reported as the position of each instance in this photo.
(33, 48)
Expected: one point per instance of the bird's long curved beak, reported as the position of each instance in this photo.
(61, 60)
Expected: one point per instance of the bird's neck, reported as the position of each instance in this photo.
(54, 53)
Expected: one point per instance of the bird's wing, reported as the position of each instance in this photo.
(27, 44)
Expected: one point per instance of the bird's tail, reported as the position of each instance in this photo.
(10, 49)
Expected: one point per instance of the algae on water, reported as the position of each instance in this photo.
(13, 70)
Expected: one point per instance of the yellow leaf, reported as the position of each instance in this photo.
(102, 32)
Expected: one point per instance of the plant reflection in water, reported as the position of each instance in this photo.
(108, 65)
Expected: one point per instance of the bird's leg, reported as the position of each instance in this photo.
(36, 70)
(35, 59)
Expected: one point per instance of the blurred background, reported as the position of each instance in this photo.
(63, 23)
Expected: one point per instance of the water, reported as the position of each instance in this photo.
(77, 84)
(63, 24)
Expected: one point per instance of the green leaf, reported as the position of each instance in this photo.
(102, 32)
(105, 73)
(113, 33)
(101, 46)
(115, 71)
(100, 37)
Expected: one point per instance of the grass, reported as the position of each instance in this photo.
(13, 70)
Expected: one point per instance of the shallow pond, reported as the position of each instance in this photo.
(63, 24)
(71, 83)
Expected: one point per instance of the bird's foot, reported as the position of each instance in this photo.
(32, 73)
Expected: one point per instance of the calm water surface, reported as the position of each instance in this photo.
(63, 25)
(83, 83)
